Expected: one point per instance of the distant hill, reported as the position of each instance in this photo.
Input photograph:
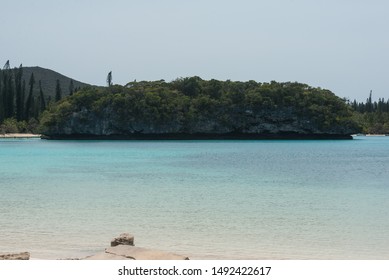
(49, 79)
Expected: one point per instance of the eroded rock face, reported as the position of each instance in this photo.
(286, 123)
(15, 256)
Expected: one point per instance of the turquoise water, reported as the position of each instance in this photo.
(204, 199)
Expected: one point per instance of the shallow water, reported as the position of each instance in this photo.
(205, 199)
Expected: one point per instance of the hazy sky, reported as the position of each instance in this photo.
(341, 45)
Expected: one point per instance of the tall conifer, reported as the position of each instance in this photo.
(23, 98)
(29, 110)
(18, 85)
(1, 98)
(109, 79)
(11, 95)
(42, 105)
(58, 91)
(6, 89)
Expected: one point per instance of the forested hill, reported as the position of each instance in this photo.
(48, 80)
(25, 92)
(193, 108)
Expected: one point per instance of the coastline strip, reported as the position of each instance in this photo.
(20, 135)
(201, 136)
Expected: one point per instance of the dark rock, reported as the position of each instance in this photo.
(283, 123)
(123, 239)
(15, 256)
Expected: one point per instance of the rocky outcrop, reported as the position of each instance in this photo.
(275, 124)
(15, 256)
(197, 109)
(123, 239)
(122, 248)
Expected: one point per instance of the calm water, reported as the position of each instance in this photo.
(204, 199)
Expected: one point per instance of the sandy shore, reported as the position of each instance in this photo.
(20, 135)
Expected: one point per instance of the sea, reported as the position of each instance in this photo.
(220, 199)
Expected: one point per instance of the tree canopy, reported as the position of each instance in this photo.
(372, 116)
(190, 104)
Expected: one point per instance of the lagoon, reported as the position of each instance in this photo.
(262, 199)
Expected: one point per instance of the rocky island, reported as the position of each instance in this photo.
(192, 108)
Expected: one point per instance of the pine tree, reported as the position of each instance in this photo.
(11, 95)
(109, 79)
(36, 107)
(1, 98)
(42, 102)
(6, 90)
(23, 98)
(58, 91)
(29, 110)
(18, 86)
(369, 104)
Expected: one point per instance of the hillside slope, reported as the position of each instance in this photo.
(49, 79)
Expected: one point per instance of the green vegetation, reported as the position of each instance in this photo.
(190, 104)
(373, 117)
(33, 99)
(13, 126)
(25, 92)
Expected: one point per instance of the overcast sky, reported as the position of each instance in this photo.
(341, 45)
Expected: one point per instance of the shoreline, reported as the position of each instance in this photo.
(200, 136)
(19, 135)
(121, 248)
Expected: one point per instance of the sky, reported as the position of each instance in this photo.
(340, 45)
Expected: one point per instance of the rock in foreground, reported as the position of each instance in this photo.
(15, 256)
(126, 252)
(123, 239)
(122, 248)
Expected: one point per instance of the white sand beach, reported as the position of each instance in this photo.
(20, 135)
